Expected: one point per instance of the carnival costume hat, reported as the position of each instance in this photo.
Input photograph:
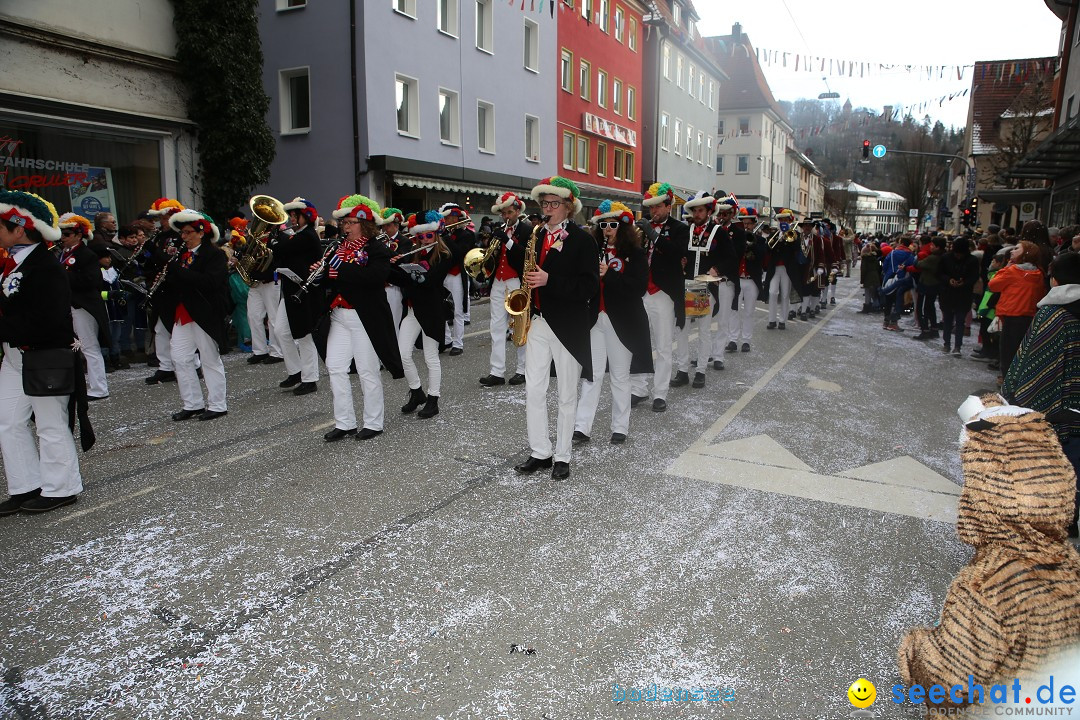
(450, 208)
(198, 220)
(748, 213)
(390, 215)
(357, 206)
(508, 200)
(164, 206)
(704, 198)
(71, 220)
(432, 221)
(30, 211)
(563, 187)
(784, 214)
(724, 201)
(658, 193)
(304, 207)
(609, 210)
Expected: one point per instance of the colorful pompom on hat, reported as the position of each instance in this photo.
(238, 224)
(304, 207)
(700, 199)
(431, 221)
(71, 220)
(450, 208)
(164, 206)
(726, 201)
(748, 213)
(357, 206)
(563, 187)
(30, 211)
(198, 220)
(658, 193)
(609, 210)
(390, 215)
(784, 214)
(507, 200)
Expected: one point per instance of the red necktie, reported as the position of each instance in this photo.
(9, 265)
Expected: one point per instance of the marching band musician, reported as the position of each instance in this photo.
(389, 223)
(192, 307)
(425, 314)
(515, 230)
(262, 306)
(361, 324)
(565, 279)
(88, 313)
(813, 265)
(154, 258)
(620, 326)
(731, 241)
(702, 244)
(460, 240)
(296, 316)
(781, 271)
(665, 296)
(741, 327)
(839, 258)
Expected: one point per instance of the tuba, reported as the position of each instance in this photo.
(255, 256)
(518, 302)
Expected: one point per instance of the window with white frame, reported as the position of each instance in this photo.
(290, 4)
(532, 138)
(585, 80)
(667, 61)
(620, 24)
(485, 126)
(295, 92)
(744, 126)
(566, 70)
(582, 154)
(601, 89)
(601, 158)
(712, 95)
(665, 119)
(406, 7)
(719, 164)
(701, 88)
(678, 136)
(618, 169)
(690, 143)
(701, 148)
(742, 164)
(720, 128)
(676, 11)
(628, 168)
(449, 117)
(604, 13)
(631, 40)
(586, 9)
(407, 102)
(631, 102)
(690, 84)
(484, 32)
(569, 142)
(447, 16)
(532, 46)
(616, 96)
(708, 147)
(678, 70)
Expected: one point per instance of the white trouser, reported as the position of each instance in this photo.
(410, 328)
(823, 295)
(703, 325)
(779, 295)
(348, 342)
(300, 355)
(541, 350)
(262, 303)
(455, 334)
(52, 463)
(809, 300)
(741, 322)
(832, 291)
(86, 329)
(661, 311)
(606, 348)
(500, 322)
(186, 339)
(396, 300)
(726, 292)
(162, 347)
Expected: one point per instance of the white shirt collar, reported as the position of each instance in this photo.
(21, 254)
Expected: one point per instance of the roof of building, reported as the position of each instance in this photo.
(747, 88)
(684, 35)
(995, 87)
(853, 187)
(804, 161)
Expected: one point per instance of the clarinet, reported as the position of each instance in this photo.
(161, 278)
(318, 272)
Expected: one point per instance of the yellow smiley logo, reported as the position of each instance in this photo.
(862, 693)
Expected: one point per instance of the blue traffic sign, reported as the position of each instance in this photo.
(879, 151)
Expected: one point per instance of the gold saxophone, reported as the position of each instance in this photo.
(518, 302)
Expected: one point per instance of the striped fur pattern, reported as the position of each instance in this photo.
(1017, 603)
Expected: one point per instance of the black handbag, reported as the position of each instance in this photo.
(49, 372)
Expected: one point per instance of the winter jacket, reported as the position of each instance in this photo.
(1021, 286)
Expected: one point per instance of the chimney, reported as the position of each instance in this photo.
(736, 31)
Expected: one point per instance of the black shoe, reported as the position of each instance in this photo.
(213, 414)
(659, 405)
(617, 438)
(272, 360)
(560, 471)
(161, 376)
(924, 335)
(699, 382)
(579, 438)
(865, 309)
(518, 379)
(14, 503)
(934, 334)
(492, 381)
(791, 315)
(532, 465)
(290, 381)
(91, 398)
(454, 352)
(416, 399)
(781, 326)
(305, 388)
(719, 364)
(947, 348)
(367, 434)
(187, 414)
(771, 326)
(832, 301)
(636, 399)
(731, 347)
(152, 361)
(745, 347)
(679, 380)
(256, 359)
(801, 315)
(110, 367)
(337, 434)
(45, 504)
(993, 365)
(430, 409)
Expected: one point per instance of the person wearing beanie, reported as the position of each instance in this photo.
(389, 222)
(296, 316)
(565, 279)
(35, 315)
(361, 324)
(667, 240)
(192, 306)
(515, 229)
(88, 313)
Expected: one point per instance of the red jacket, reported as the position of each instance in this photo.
(1021, 288)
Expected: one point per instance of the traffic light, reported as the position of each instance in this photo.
(865, 149)
(967, 217)
(974, 209)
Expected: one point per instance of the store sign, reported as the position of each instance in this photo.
(94, 194)
(90, 188)
(612, 131)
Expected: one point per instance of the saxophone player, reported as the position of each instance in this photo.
(296, 317)
(515, 230)
(564, 280)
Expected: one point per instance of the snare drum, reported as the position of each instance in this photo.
(697, 299)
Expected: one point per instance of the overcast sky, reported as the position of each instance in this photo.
(927, 32)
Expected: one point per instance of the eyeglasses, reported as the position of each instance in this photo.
(608, 224)
(188, 231)
(349, 222)
(427, 236)
(551, 204)
(70, 232)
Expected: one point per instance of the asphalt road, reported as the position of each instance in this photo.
(774, 533)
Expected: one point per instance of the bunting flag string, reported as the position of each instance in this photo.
(1003, 71)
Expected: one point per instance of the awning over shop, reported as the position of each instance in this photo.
(1056, 156)
(426, 183)
(594, 194)
(1014, 196)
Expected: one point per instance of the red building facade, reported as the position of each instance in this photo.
(599, 71)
